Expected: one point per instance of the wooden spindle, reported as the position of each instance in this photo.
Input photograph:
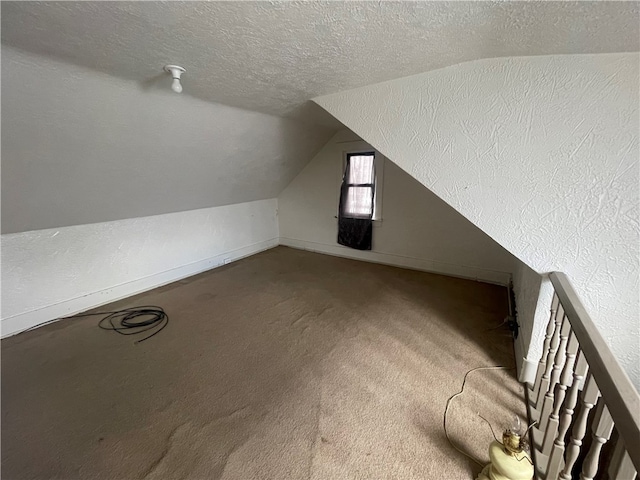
(621, 466)
(551, 354)
(557, 452)
(603, 426)
(557, 390)
(560, 393)
(558, 364)
(589, 397)
(551, 325)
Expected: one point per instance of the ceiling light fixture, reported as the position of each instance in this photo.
(175, 72)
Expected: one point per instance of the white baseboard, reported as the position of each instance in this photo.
(471, 273)
(525, 368)
(27, 320)
(24, 321)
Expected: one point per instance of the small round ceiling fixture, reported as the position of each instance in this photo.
(175, 72)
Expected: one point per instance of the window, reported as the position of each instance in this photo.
(359, 185)
(363, 164)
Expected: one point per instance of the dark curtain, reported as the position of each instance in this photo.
(354, 231)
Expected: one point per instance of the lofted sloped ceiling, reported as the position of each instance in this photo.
(541, 153)
(92, 133)
(273, 57)
(79, 147)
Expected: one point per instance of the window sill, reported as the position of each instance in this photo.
(376, 222)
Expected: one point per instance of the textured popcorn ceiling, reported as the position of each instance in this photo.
(273, 57)
(91, 148)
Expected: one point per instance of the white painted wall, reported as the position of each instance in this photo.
(533, 293)
(539, 152)
(81, 147)
(418, 230)
(50, 273)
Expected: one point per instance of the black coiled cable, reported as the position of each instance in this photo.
(134, 321)
(125, 322)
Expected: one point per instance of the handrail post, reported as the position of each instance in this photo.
(620, 397)
(574, 350)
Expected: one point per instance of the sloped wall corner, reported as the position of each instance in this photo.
(414, 229)
(541, 153)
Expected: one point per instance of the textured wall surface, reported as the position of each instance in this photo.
(81, 147)
(533, 293)
(416, 225)
(274, 56)
(539, 152)
(103, 261)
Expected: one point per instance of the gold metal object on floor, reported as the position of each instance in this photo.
(509, 461)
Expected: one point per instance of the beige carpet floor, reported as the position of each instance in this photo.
(284, 365)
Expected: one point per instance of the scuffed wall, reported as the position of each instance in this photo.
(539, 152)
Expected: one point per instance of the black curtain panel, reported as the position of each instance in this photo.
(355, 216)
(355, 232)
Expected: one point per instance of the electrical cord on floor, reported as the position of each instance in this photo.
(129, 321)
(504, 322)
(134, 321)
(446, 410)
(492, 432)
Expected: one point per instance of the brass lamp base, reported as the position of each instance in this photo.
(506, 465)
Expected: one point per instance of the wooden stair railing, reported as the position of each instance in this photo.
(580, 385)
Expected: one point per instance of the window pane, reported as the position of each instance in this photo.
(360, 169)
(359, 201)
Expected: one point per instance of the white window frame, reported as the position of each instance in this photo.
(378, 164)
